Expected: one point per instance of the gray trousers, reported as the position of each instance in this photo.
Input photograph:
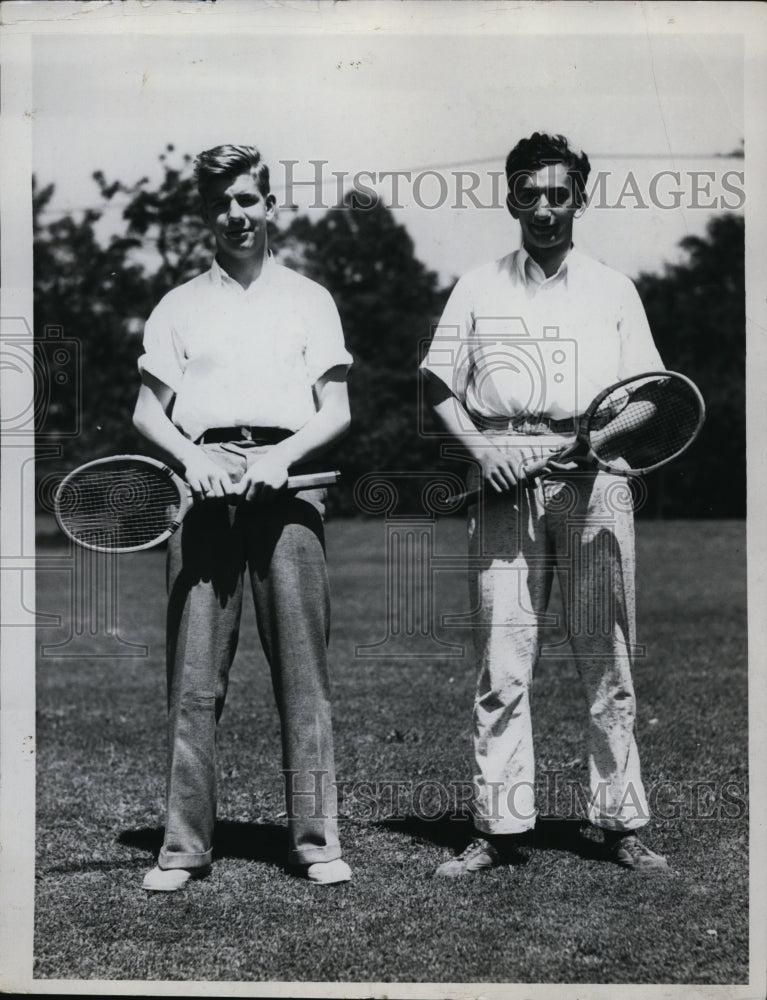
(281, 547)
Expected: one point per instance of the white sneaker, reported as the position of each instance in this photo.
(328, 872)
(170, 879)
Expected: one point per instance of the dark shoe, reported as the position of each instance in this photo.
(629, 852)
(479, 855)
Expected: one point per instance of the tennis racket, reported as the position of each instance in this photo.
(631, 428)
(128, 503)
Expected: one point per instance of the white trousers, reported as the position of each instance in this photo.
(581, 526)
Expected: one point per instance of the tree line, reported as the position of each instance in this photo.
(96, 292)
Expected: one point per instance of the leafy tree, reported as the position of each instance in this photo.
(99, 291)
(97, 295)
(166, 222)
(388, 303)
(696, 310)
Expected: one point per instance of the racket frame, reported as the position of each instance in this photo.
(186, 498)
(582, 437)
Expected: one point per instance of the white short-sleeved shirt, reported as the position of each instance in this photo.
(513, 343)
(243, 357)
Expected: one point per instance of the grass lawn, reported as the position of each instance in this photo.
(565, 916)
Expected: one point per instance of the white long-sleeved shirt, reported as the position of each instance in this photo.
(512, 343)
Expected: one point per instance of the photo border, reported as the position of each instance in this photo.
(25, 21)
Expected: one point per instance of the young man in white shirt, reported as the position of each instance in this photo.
(243, 380)
(523, 346)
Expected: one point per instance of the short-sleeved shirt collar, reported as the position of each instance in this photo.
(530, 273)
(220, 277)
(236, 357)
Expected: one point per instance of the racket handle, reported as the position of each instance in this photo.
(313, 479)
(533, 470)
(466, 495)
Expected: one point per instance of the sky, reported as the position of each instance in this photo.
(376, 102)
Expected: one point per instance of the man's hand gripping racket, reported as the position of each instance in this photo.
(629, 429)
(129, 502)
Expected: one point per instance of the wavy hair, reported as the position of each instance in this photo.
(542, 149)
(229, 161)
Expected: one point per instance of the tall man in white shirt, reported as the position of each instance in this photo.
(243, 380)
(522, 347)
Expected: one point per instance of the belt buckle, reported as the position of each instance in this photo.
(246, 433)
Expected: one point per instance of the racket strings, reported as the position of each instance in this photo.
(119, 506)
(645, 424)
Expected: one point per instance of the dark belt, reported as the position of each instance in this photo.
(254, 435)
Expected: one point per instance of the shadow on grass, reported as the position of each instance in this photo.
(266, 842)
(572, 836)
(446, 830)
